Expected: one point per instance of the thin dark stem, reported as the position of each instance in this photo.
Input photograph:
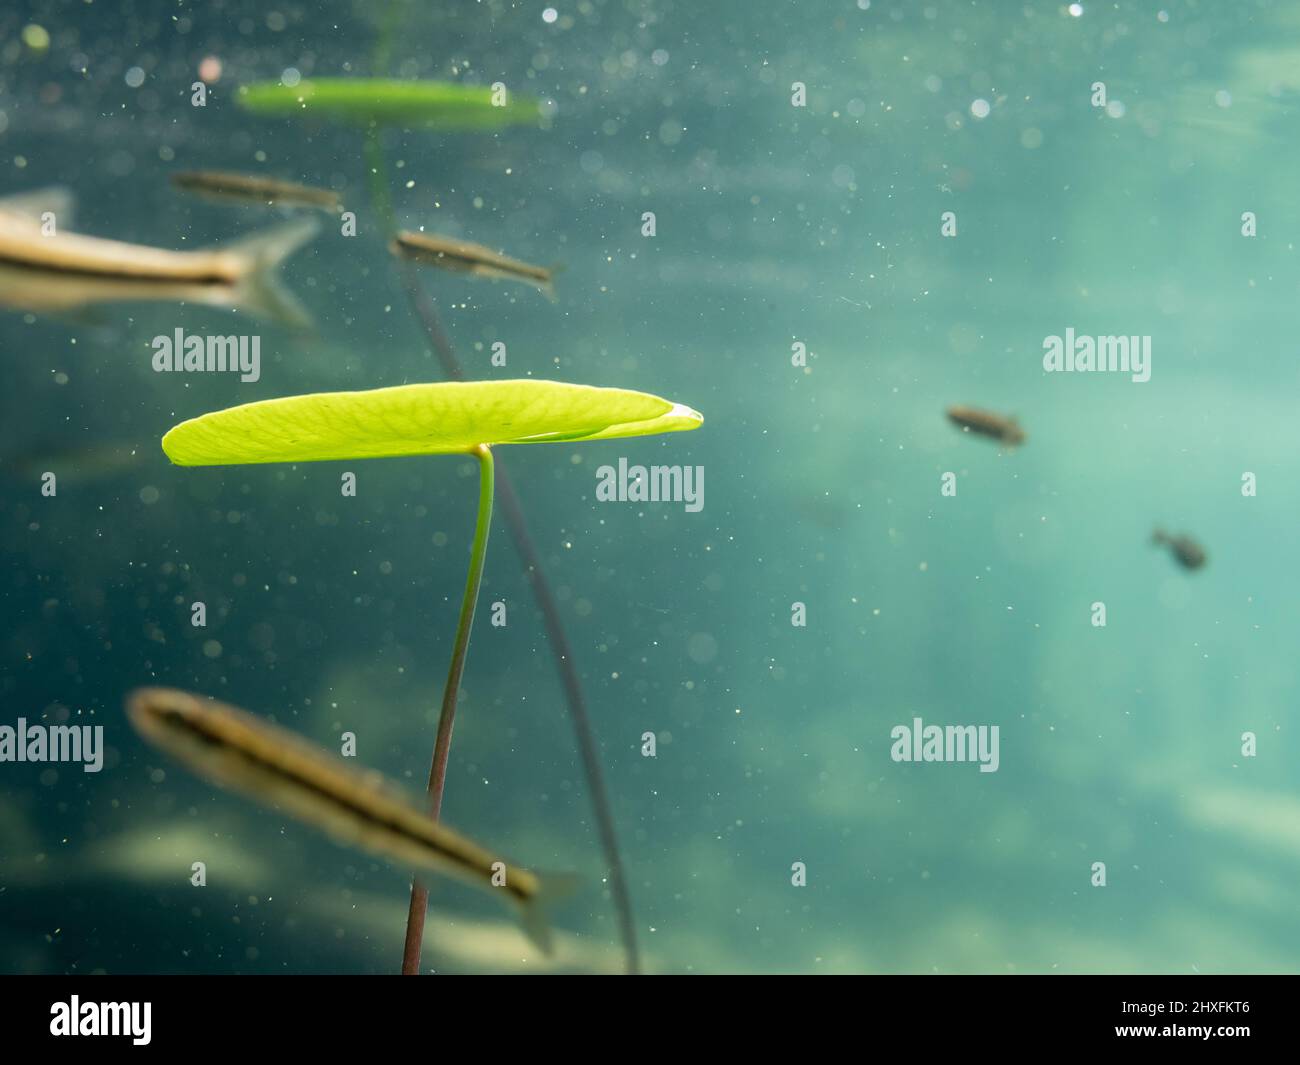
(383, 49)
(377, 179)
(446, 719)
(588, 748)
(424, 310)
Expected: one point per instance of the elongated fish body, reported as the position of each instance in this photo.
(466, 258)
(66, 271)
(229, 185)
(985, 423)
(74, 464)
(46, 293)
(1188, 552)
(241, 752)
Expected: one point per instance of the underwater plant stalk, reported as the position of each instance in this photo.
(377, 178)
(585, 734)
(383, 50)
(588, 748)
(425, 311)
(446, 719)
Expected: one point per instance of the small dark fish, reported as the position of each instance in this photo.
(985, 423)
(280, 769)
(228, 185)
(467, 258)
(74, 463)
(1189, 553)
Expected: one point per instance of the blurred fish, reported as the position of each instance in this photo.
(91, 462)
(227, 185)
(824, 510)
(66, 272)
(274, 766)
(466, 258)
(985, 423)
(1189, 553)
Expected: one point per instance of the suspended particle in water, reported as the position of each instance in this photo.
(37, 38)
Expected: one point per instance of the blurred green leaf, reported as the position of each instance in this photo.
(362, 101)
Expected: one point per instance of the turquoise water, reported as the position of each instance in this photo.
(774, 225)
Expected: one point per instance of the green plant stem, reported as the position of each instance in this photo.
(383, 50)
(446, 719)
(377, 178)
(584, 733)
(588, 747)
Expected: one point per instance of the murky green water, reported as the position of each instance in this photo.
(775, 225)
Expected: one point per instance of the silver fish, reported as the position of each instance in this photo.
(252, 188)
(56, 271)
(466, 258)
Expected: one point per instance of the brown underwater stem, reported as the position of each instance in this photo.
(446, 719)
(588, 748)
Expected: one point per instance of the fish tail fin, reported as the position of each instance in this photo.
(548, 289)
(1158, 536)
(259, 289)
(533, 913)
(57, 199)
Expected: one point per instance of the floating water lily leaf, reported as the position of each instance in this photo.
(426, 419)
(437, 104)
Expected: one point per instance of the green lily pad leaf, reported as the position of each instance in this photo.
(426, 419)
(436, 104)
